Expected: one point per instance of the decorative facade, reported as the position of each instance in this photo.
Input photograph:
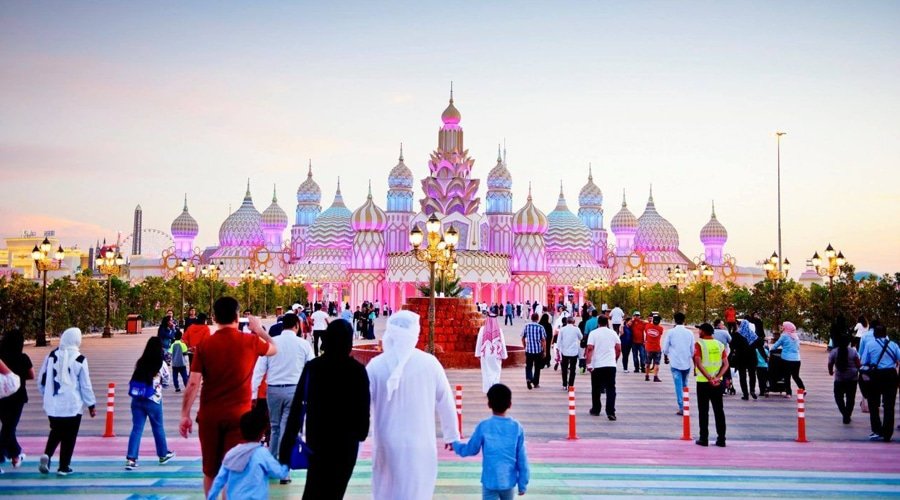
(503, 254)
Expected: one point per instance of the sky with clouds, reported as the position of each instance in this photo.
(107, 105)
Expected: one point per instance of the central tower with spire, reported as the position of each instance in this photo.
(449, 189)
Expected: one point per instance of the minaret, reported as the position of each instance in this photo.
(499, 207)
(449, 189)
(309, 198)
(713, 236)
(136, 231)
(590, 211)
(185, 229)
(399, 207)
(624, 227)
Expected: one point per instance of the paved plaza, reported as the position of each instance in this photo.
(639, 454)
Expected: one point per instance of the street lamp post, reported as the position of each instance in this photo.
(265, 277)
(186, 270)
(294, 280)
(704, 272)
(600, 284)
(677, 276)
(109, 264)
(636, 278)
(211, 271)
(440, 251)
(778, 146)
(247, 276)
(829, 268)
(44, 262)
(777, 271)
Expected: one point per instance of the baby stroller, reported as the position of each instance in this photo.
(778, 376)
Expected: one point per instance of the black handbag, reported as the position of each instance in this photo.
(300, 452)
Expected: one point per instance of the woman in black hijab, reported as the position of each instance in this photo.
(11, 406)
(548, 328)
(337, 414)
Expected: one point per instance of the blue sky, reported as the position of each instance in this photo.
(107, 105)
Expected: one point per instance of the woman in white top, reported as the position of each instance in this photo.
(490, 347)
(65, 383)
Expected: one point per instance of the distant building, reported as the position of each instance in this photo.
(136, 232)
(16, 257)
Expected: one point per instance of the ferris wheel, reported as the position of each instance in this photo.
(153, 242)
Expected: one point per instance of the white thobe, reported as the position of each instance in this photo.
(404, 456)
(491, 366)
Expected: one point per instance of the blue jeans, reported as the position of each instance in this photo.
(141, 410)
(487, 494)
(681, 381)
(640, 357)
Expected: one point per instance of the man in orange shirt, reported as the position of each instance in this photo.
(194, 335)
(653, 343)
(731, 319)
(225, 363)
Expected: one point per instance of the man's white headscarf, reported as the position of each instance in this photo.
(399, 342)
(66, 354)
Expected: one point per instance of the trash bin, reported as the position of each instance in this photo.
(133, 324)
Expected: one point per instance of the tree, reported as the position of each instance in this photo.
(450, 288)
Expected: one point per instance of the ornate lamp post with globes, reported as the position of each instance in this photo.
(109, 264)
(294, 280)
(265, 277)
(211, 272)
(636, 278)
(777, 271)
(599, 284)
(677, 276)
(186, 271)
(704, 273)
(829, 268)
(247, 276)
(44, 262)
(440, 251)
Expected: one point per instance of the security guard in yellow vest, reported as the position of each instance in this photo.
(710, 363)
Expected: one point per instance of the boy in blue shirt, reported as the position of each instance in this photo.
(246, 467)
(505, 464)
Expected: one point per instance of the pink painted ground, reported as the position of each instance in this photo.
(815, 456)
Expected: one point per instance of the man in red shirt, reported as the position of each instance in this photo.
(226, 364)
(731, 319)
(653, 333)
(637, 342)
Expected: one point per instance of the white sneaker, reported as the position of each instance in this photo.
(44, 467)
(626, 370)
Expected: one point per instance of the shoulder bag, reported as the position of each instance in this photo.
(866, 371)
(300, 452)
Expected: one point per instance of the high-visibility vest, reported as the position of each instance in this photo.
(711, 351)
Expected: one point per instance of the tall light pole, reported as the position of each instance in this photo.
(247, 276)
(829, 268)
(704, 273)
(265, 277)
(44, 262)
(294, 280)
(778, 146)
(440, 251)
(109, 264)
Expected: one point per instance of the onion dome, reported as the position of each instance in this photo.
(530, 220)
(566, 231)
(590, 195)
(274, 218)
(184, 226)
(309, 191)
(332, 227)
(624, 222)
(654, 231)
(499, 176)
(401, 176)
(369, 217)
(451, 115)
(243, 227)
(713, 232)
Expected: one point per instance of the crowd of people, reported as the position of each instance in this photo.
(261, 389)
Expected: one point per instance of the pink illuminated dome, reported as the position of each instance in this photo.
(530, 220)
(369, 217)
(185, 226)
(243, 227)
(713, 232)
(451, 115)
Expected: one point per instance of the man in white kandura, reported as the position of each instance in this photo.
(407, 386)
(490, 348)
